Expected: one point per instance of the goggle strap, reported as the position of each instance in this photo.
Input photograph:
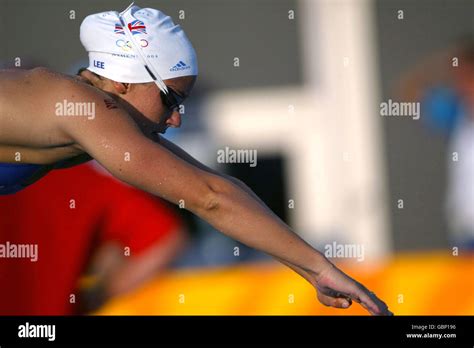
(147, 64)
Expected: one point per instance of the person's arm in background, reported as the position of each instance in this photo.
(150, 263)
(111, 274)
(147, 228)
(153, 168)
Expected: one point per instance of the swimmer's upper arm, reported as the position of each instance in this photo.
(116, 142)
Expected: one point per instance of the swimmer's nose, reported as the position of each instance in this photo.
(174, 121)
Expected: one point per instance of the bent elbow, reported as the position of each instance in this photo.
(210, 201)
(204, 203)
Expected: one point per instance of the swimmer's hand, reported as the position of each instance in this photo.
(336, 289)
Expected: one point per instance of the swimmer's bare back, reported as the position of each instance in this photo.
(30, 130)
(29, 125)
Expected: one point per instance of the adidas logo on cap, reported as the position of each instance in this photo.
(180, 66)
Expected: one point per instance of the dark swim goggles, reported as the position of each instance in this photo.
(172, 100)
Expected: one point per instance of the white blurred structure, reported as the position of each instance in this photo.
(329, 131)
(460, 191)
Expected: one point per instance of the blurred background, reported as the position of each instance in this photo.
(302, 83)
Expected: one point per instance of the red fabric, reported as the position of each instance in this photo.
(105, 210)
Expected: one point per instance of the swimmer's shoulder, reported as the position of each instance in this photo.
(98, 111)
(43, 75)
(63, 84)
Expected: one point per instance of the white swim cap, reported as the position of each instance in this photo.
(164, 44)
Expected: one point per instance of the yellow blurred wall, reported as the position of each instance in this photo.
(411, 284)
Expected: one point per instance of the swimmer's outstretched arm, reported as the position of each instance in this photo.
(325, 292)
(114, 140)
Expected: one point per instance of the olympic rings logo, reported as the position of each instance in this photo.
(127, 45)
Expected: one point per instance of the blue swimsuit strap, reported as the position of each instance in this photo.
(29, 173)
(45, 168)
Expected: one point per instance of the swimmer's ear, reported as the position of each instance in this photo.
(121, 87)
(95, 79)
(105, 83)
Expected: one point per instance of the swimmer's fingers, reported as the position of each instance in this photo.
(370, 301)
(335, 285)
(337, 302)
